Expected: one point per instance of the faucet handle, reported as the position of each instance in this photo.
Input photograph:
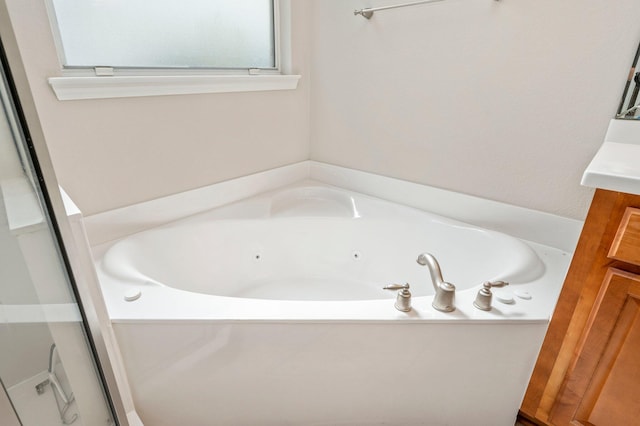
(403, 299)
(396, 287)
(497, 284)
(484, 296)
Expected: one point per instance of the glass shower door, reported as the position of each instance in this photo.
(8, 416)
(48, 371)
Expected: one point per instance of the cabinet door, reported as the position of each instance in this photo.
(626, 244)
(603, 383)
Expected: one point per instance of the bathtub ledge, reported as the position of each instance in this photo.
(531, 225)
(188, 307)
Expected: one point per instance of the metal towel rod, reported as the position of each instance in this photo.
(368, 12)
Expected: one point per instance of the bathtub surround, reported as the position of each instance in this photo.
(530, 225)
(326, 374)
(543, 229)
(113, 224)
(332, 230)
(328, 359)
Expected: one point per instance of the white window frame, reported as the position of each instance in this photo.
(103, 82)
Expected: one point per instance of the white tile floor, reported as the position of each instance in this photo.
(39, 410)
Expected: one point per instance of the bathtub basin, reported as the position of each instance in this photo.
(270, 311)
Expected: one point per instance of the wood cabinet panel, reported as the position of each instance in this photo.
(617, 402)
(610, 239)
(602, 386)
(626, 244)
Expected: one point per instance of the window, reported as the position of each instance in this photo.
(166, 33)
(207, 38)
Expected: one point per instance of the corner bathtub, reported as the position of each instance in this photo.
(270, 311)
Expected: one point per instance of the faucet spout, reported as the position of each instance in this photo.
(428, 260)
(445, 292)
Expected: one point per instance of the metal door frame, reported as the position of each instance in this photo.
(29, 122)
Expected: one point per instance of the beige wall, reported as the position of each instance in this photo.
(505, 100)
(115, 152)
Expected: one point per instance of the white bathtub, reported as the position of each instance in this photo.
(270, 311)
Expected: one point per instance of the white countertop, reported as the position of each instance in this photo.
(616, 165)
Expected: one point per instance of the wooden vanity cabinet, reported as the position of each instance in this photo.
(588, 370)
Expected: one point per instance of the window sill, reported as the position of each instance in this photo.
(73, 88)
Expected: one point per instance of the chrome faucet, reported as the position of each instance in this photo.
(403, 299)
(445, 292)
(483, 299)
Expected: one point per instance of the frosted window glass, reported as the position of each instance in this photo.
(167, 33)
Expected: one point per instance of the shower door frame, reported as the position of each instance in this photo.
(28, 120)
(7, 410)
